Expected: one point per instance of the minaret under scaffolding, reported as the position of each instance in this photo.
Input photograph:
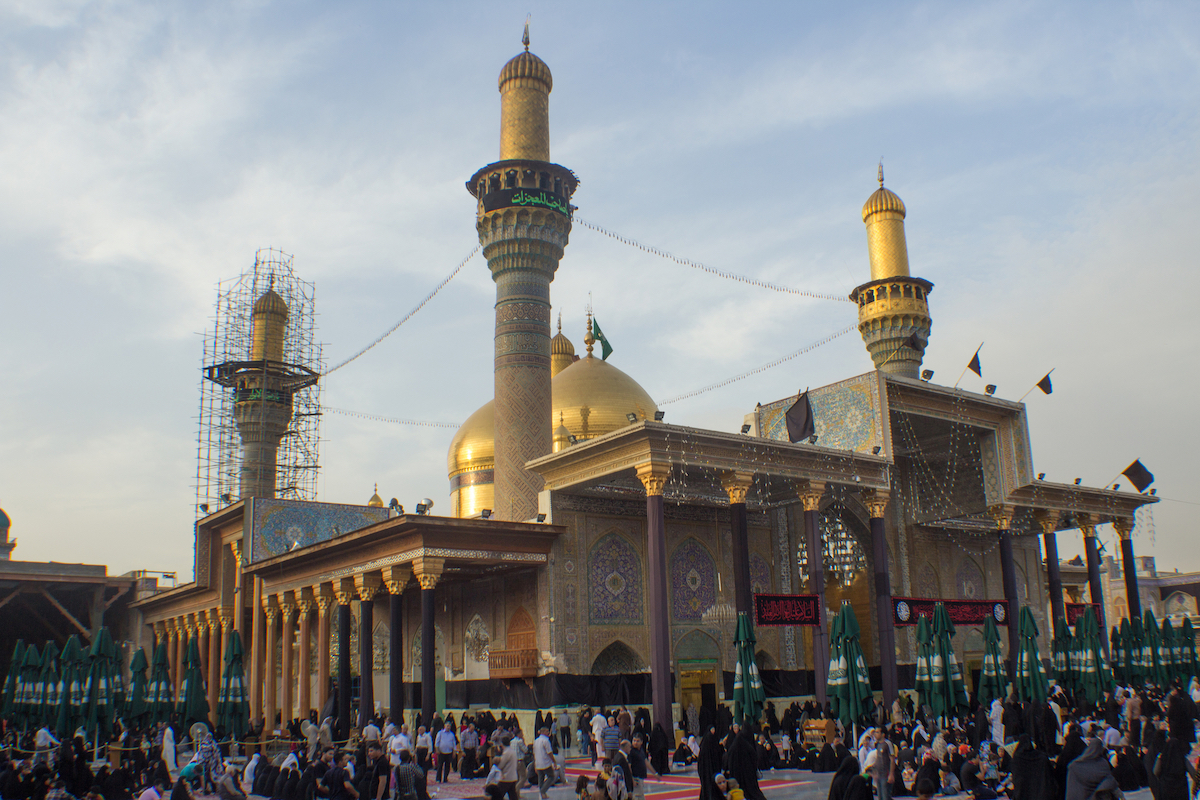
(523, 218)
(893, 310)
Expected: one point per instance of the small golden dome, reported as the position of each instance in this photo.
(271, 303)
(560, 345)
(883, 200)
(376, 501)
(527, 65)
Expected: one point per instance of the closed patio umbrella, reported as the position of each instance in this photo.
(1030, 681)
(233, 710)
(993, 677)
(748, 694)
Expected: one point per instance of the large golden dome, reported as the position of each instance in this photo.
(591, 398)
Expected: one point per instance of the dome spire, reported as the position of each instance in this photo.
(525, 38)
(587, 337)
(881, 172)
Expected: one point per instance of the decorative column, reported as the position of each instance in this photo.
(1048, 520)
(367, 585)
(257, 630)
(810, 496)
(323, 596)
(876, 502)
(271, 611)
(239, 592)
(1003, 515)
(344, 591)
(428, 570)
(304, 607)
(214, 663)
(736, 485)
(287, 621)
(396, 578)
(200, 626)
(1124, 528)
(1087, 526)
(175, 630)
(654, 478)
(226, 621)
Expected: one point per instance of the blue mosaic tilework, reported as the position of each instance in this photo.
(278, 524)
(846, 415)
(693, 582)
(760, 575)
(614, 582)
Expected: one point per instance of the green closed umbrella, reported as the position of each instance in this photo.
(993, 677)
(1093, 672)
(160, 693)
(27, 686)
(192, 704)
(1187, 649)
(1061, 655)
(1030, 681)
(1117, 644)
(101, 693)
(924, 661)
(1169, 646)
(138, 706)
(1131, 651)
(233, 709)
(11, 681)
(1136, 642)
(49, 686)
(71, 698)
(949, 690)
(854, 693)
(838, 675)
(748, 694)
(1157, 672)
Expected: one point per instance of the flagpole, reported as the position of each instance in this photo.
(889, 358)
(968, 366)
(1031, 388)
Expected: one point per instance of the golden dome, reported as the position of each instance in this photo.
(376, 501)
(562, 352)
(271, 303)
(527, 65)
(590, 397)
(883, 200)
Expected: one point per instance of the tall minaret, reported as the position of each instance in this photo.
(524, 219)
(263, 403)
(892, 306)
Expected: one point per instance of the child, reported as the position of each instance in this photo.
(581, 788)
(732, 792)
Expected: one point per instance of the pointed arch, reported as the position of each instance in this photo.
(617, 659)
(968, 580)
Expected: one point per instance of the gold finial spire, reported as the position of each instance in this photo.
(587, 338)
(881, 172)
(525, 38)
(560, 322)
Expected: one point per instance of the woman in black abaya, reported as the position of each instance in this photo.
(743, 764)
(1173, 769)
(1090, 773)
(660, 750)
(1072, 748)
(709, 764)
(841, 779)
(1032, 775)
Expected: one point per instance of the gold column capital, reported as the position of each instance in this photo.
(1003, 516)
(810, 494)
(214, 621)
(737, 485)
(428, 570)
(236, 546)
(368, 585)
(172, 627)
(1048, 519)
(226, 621)
(1124, 527)
(270, 607)
(304, 606)
(324, 604)
(1086, 524)
(189, 624)
(397, 577)
(876, 501)
(287, 610)
(654, 477)
(343, 590)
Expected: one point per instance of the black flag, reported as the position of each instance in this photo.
(913, 343)
(1138, 475)
(974, 365)
(1045, 385)
(800, 419)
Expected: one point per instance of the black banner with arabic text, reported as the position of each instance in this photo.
(787, 609)
(526, 198)
(1075, 611)
(905, 610)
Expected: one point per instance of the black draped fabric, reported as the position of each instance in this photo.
(1153, 742)
(827, 760)
(1032, 775)
(724, 720)
(841, 779)
(743, 765)
(1181, 717)
(291, 789)
(929, 771)
(709, 764)
(1128, 771)
(660, 750)
(772, 720)
(1172, 774)
(1073, 747)
(1089, 773)
(708, 719)
(859, 788)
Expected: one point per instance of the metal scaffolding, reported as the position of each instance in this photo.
(227, 349)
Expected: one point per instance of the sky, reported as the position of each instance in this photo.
(1047, 154)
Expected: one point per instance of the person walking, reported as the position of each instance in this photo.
(610, 739)
(543, 761)
(444, 744)
(508, 771)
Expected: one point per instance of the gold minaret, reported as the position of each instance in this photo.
(893, 312)
(523, 217)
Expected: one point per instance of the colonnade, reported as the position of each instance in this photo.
(210, 629)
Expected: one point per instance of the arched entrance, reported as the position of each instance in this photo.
(699, 659)
(617, 659)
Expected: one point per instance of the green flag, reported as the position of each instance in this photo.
(598, 335)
